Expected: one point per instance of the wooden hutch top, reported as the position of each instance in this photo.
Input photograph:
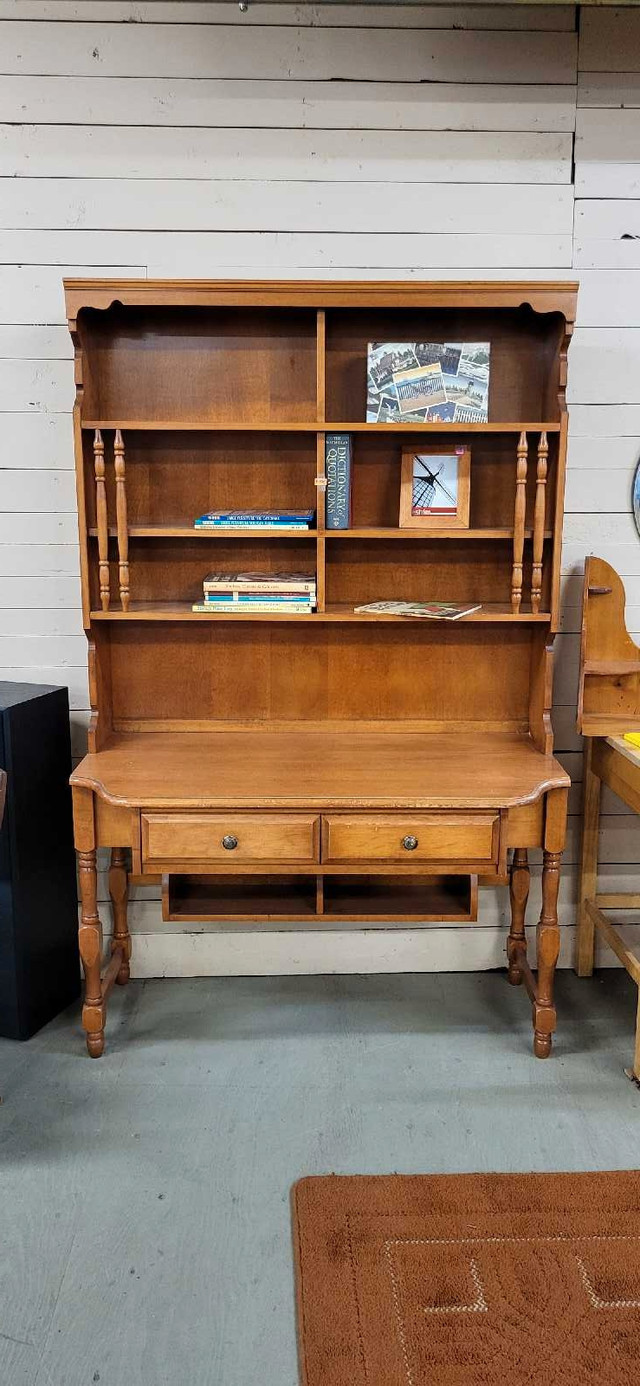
(197, 394)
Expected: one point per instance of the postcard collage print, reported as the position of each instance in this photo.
(428, 382)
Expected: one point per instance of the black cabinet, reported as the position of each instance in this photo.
(39, 968)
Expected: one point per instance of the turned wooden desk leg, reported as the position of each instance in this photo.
(119, 895)
(519, 893)
(548, 941)
(90, 942)
(588, 878)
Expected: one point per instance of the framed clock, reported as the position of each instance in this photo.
(435, 488)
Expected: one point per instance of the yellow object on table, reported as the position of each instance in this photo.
(633, 737)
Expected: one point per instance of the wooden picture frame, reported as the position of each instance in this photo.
(444, 506)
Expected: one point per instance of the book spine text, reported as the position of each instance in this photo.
(338, 471)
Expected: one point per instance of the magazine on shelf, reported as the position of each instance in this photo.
(428, 382)
(431, 611)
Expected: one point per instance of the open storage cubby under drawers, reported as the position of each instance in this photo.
(379, 900)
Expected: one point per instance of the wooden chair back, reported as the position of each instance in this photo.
(609, 691)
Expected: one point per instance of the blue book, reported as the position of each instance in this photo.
(337, 461)
(253, 517)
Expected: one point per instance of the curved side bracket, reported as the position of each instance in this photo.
(609, 692)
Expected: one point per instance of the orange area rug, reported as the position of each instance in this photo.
(469, 1280)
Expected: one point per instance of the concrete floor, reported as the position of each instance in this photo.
(144, 1215)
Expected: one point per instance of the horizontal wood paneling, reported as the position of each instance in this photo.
(594, 253)
(391, 156)
(609, 298)
(39, 620)
(607, 219)
(21, 342)
(63, 652)
(605, 366)
(590, 489)
(20, 593)
(25, 529)
(33, 491)
(621, 89)
(153, 204)
(279, 251)
(45, 560)
(610, 43)
(434, 949)
(34, 287)
(222, 103)
(42, 385)
(606, 153)
(613, 454)
(193, 50)
(608, 420)
(476, 14)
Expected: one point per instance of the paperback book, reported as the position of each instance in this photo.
(260, 582)
(431, 611)
(256, 519)
(428, 382)
(292, 608)
(249, 598)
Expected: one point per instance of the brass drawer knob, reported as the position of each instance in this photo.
(409, 843)
(229, 842)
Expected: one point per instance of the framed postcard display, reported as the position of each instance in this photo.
(428, 382)
(434, 488)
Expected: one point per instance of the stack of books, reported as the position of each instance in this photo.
(256, 521)
(256, 592)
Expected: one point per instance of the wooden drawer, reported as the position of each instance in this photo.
(437, 837)
(201, 837)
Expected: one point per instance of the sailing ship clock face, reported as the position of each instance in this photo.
(435, 488)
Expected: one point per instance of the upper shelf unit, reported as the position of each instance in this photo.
(299, 368)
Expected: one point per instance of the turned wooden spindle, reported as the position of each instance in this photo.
(90, 944)
(118, 894)
(519, 893)
(121, 520)
(518, 523)
(101, 519)
(538, 523)
(548, 947)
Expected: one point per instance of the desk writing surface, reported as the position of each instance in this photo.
(284, 769)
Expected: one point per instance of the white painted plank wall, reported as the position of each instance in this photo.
(190, 139)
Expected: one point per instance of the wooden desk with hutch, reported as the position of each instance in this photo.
(333, 768)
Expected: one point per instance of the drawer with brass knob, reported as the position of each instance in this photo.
(437, 837)
(224, 838)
